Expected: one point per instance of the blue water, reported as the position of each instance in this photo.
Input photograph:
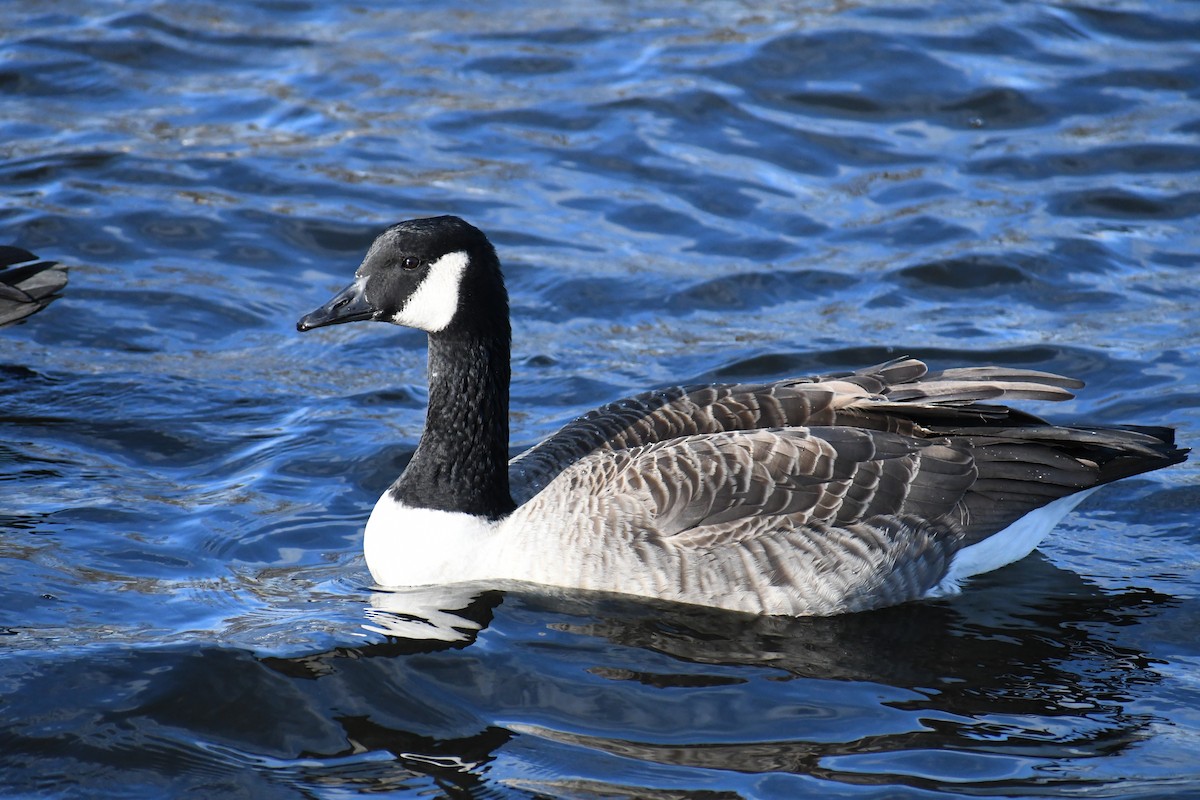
(680, 192)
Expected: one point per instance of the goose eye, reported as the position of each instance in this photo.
(410, 262)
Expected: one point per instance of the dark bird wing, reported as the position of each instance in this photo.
(897, 396)
(27, 283)
(826, 519)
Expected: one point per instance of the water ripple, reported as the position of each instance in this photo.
(680, 193)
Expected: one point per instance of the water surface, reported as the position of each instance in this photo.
(680, 192)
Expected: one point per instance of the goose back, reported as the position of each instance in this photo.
(894, 396)
(821, 495)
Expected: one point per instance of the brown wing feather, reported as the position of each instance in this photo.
(707, 489)
(723, 464)
(824, 519)
(896, 397)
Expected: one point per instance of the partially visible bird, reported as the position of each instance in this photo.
(27, 283)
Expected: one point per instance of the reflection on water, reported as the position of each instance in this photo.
(556, 691)
(437, 613)
(680, 192)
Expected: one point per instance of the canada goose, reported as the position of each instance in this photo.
(27, 284)
(807, 496)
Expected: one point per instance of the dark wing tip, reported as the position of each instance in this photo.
(27, 283)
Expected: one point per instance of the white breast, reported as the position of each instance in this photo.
(421, 546)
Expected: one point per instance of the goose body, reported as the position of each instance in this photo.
(27, 284)
(804, 496)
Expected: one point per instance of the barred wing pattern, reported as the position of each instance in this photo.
(814, 496)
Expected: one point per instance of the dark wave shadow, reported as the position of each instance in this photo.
(1025, 668)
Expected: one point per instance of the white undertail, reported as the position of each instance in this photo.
(1008, 545)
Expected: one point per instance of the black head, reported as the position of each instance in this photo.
(432, 274)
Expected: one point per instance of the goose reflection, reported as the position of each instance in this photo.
(429, 613)
(994, 685)
(990, 689)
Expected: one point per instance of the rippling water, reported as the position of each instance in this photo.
(680, 192)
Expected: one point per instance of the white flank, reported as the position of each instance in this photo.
(1011, 544)
(433, 305)
(422, 546)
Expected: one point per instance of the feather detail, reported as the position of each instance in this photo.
(27, 284)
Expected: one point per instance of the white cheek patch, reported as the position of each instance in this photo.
(433, 305)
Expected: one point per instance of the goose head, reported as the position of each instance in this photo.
(437, 274)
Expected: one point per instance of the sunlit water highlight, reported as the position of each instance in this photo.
(709, 191)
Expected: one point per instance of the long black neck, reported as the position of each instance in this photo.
(461, 463)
